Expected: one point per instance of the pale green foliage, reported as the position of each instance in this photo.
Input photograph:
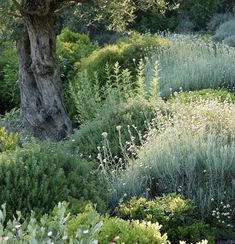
(89, 99)
(226, 33)
(7, 141)
(191, 64)
(88, 227)
(192, 152)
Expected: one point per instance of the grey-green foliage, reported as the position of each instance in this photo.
(217, 20)
(226, 33)
(200, 168)
(193, 153)
(36, 177)
(49, 229)
(192, 64)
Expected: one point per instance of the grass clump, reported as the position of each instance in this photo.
(192, 153)
(190, 64)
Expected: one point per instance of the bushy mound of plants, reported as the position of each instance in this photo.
(204, 94)
(117, 124)
(127, 52)
(87, 227)
(226, 33)
(8, 141)
(36, 177)
(192, 153)
(173, 212)
(217, 20)
(71, 47)
(190, 63)
(9, 85)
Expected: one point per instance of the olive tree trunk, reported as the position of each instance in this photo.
(42, 106)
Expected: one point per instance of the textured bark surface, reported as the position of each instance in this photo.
(42, 105)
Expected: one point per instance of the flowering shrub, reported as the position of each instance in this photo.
(191, 153)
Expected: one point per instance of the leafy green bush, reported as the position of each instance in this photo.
(7, 141)
(121, 231)
(71, 47)
(193, 233)
(127, 52)
(171, 208)
(9, 85)
(132, 116)
(200, 11)
(37, 177)
(117, 230)
(173, 212)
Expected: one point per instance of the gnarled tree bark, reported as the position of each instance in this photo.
(42, 104)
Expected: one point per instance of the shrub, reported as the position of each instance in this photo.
(167, 210)
(132, 116)
(200, 11)
(71, 47)
(173, 212)
(217, 20)
(205, 94)
(117, 230)
(193, 233)
(7, 141)
(37, 177)
(9, 85)
(121, 231)
(87, 227)
(127, 52)
(192, 154)
(226, 33)
(193, 64)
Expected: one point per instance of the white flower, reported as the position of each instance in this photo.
(85, 231)
(105, 134)
(49, 233)
(118, 128)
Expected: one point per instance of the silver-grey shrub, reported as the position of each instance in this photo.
(226, 33)
(189, 63)
(193, 154)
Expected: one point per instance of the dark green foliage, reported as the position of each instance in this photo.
(134, 112)
(193, 233)
(200, 11)
(9, 85)
(37, 177)
(127, 52)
